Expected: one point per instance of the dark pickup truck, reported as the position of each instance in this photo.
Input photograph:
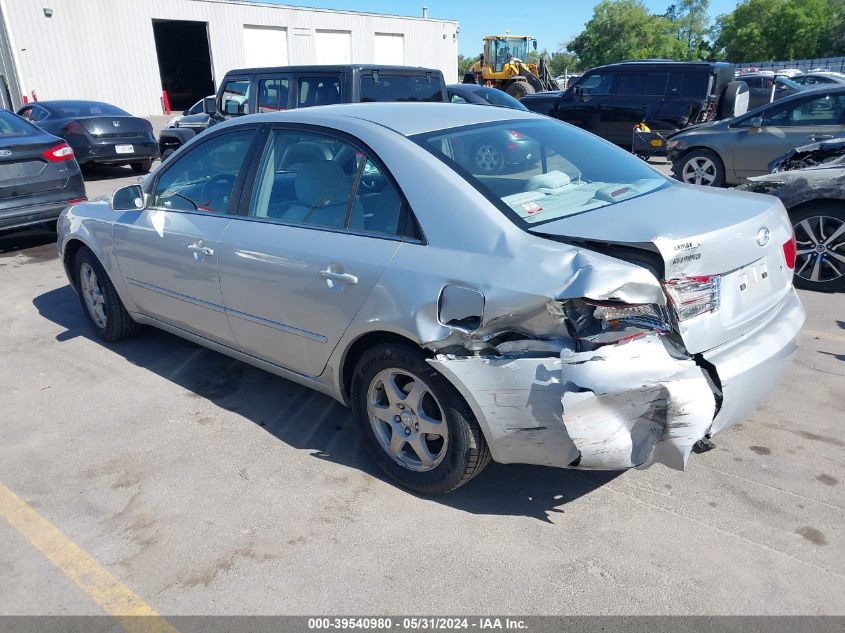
(665, 95)
(254, 90)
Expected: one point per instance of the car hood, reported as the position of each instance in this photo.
(686, 232)
(702, 128)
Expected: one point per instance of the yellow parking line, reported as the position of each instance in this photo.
(832, 337)
(100, 584)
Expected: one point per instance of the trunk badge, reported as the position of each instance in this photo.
(5, 152)
(763, 236)
(116, 123)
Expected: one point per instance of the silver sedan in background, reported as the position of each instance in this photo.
(580, 311)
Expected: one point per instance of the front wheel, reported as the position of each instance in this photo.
(820, 240)
(701, 167)
(101, 304)
(416, 425)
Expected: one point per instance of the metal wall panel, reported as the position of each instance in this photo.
(104, 49)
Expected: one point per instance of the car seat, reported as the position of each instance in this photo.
(322, 191)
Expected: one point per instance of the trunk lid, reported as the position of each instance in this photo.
(103, 127)
(23, 168)
(698, 232)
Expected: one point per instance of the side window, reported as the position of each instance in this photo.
(235, 99)
(632, 84)
(823, 110)
(688, 84)
(203, 179)
(314, 91)
(456, 98)
(26, 113)
(597, 83)
(655, 84)
(318, 180)
(273, 94)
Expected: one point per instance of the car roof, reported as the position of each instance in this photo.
(666, 62)
(467, 87)
(329, 68)
(407, 119)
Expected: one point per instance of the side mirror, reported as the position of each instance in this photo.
(209, 105)
(129, 198)
(756, 122)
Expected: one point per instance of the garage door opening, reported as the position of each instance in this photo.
(184, 61)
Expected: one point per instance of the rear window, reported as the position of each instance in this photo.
(89, 109)
(498, 98)
(401, 88)
(12, 125)
(554, 170)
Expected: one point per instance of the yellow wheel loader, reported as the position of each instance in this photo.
(503, 66)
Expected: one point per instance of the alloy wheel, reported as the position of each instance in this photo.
(407, 419)
(699, 170)
(488, 158)
(93, 295)
(820, 256)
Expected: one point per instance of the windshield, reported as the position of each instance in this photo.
(512, 47)
(540, 171)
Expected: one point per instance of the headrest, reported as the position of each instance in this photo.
(304, 152)
(321, 184)
(551, 180)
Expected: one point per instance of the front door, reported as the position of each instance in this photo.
(323, 224)
(784, 127)
(168, 252)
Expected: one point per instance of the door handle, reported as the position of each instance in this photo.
(341, 278)
(820, 137)
(199, 248)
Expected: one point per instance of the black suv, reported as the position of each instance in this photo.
(255, 90)
(665, 95)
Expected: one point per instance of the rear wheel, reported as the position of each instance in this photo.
(416, 425)
(701, 167)
(820, 238)
(141, 166)
(101, 304)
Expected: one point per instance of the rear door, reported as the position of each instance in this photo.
(638, 99)
(810, 119)
(319, 232)
(686, 95)
(168, 252)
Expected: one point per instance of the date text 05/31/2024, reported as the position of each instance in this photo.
(417, 623)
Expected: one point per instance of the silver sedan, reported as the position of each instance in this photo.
(577, 310)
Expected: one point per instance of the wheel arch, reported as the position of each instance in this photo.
(705, 148)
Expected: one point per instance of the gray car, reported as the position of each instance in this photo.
(586, 312)
(727, 152)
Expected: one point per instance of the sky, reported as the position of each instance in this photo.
(551, 22)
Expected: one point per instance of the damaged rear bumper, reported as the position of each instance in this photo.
(621, 406)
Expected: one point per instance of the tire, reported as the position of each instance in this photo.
(811, 223)
(518, 89)
(700, 167)
(733, 100)
(141, 166)
(111, 322)
(488, 158)
(454, 455)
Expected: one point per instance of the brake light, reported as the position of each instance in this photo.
(692, 296)
(790, 251)
(74, 127)
(598, 323)
(58, 153)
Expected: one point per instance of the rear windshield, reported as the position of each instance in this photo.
(498, 98)
(12, 125)
(401, 88)
(89, 109)
(540, 171)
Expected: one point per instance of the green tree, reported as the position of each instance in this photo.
(624, 29)
(464, 64)
(691, 25)
(764, 30)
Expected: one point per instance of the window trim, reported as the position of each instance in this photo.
(409, 229)
(239, 181)
(249, 105)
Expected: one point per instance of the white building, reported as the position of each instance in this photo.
(127, 52)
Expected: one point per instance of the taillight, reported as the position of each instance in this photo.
(598, 323)
(692, 296)
(58, 153)
(74, 127)
(789, 251)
